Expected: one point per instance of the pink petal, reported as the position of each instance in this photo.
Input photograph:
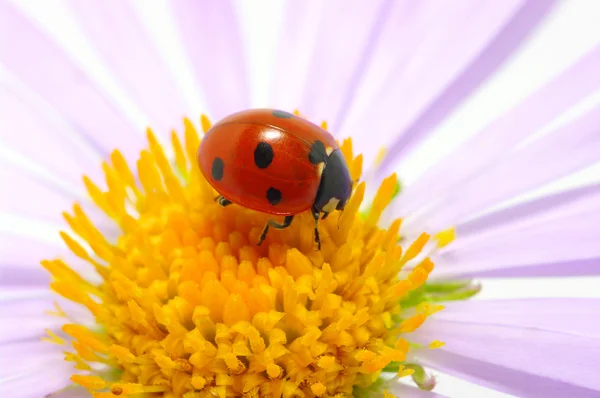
(417, 92)
(536, 347)
(62, 83)
(491, 145)
(117, 33)
(211, 35)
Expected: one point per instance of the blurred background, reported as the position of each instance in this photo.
(567, 32)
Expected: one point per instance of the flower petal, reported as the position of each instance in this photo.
(544, 249)
(211, 35)
(31, 369)
(44, 143)
(26, 199)
(524, 211)
(117, 33)
(335, 68)
(406, 391)
(18, 275)
(62, 83)
(576, 267)
(73, 391)
(418, 93)
(536, 347)
(491, 145)
(541, 162)
(26, 320)
(565, 237)
(20, 257)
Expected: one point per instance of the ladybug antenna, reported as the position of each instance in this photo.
(339, 218)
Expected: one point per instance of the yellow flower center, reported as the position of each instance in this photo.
(190, 306)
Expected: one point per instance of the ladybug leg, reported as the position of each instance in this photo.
(287, 221)
(223, 201)
(324, 216)
(316, 213)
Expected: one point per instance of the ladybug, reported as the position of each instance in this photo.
(275, 162)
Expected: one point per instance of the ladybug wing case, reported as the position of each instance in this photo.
(261, 167)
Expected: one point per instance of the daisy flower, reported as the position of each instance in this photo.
(147, 287)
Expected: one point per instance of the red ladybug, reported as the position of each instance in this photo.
(277, 163)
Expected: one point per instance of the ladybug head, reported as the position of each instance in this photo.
(336, 185)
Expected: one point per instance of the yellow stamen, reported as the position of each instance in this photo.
(404, 371)
(380, 156)
(436, 344)
(190, 306)
(205, 123)
(53, 338)
(445, 237)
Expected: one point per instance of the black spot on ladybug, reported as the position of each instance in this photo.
(282, 114)
(263, 155)
(217, 169)
(273, 196)
(317, 153)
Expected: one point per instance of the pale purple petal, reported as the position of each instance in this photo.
(295, 52)
(22, 250)
(24, 130)
(211, 34)
(565, 238)
(526, 210)
(23, 276)
(348, 33)
(549, 268)
(27, 355)
(553, 156)
(31, 193)
(71, 392)
(499, 378)
(33, 369)
(535, 347)
(491, 145)
(580, 216)
(117, 33)
(540, 246)
(62, 83)
(470, 39)
(26, 320)
(405, 391)
(20, 258)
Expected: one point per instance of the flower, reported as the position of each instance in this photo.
(189, 303)
(160, 326)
